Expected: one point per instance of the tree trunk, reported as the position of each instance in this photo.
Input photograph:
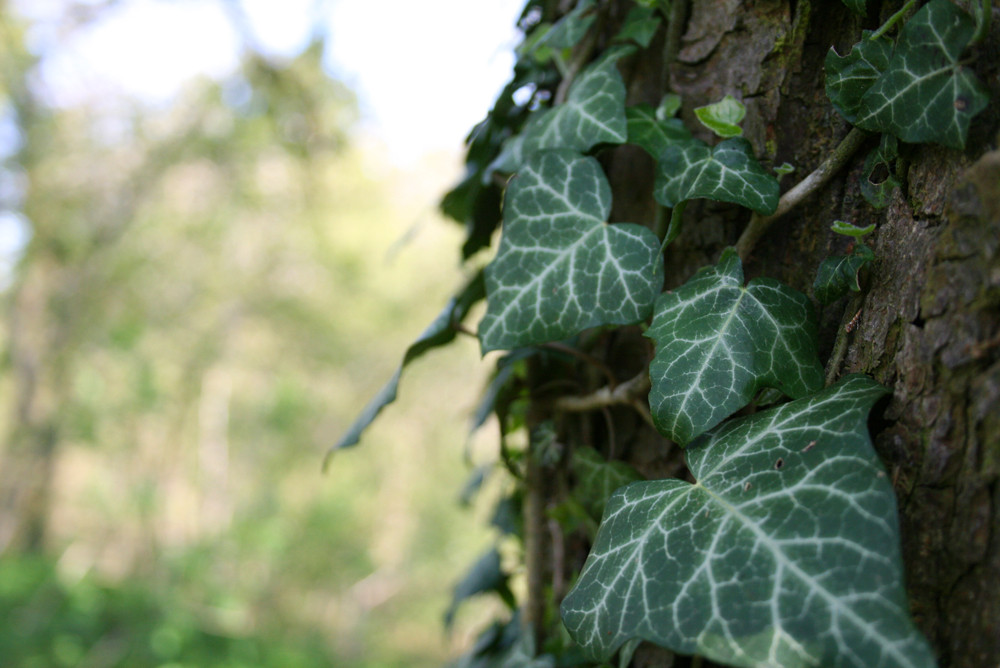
(929, 323)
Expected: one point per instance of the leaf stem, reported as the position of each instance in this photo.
(840, 345)
(892, 20)
(983, 16)
(581, 56)
(759, 224)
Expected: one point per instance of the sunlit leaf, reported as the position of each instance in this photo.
(880, 180)
(486, 575)
(849, 77)
(593, 113)
(651, 133)
(926, 94)
(597, 478)
(718, 343)
(723, 117)
(560, 267)
(850, 230)
(728, 173)
(640, 26)
(440, 332)
(784, 553)
(838, 275)
(784, 168)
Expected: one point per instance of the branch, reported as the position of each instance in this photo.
(759, 224)
(624, 393)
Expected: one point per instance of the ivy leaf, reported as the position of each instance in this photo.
(849, 77)
(728, 173)
(570, 29)
(849, 230)
(857, 6)
(723, 117)
(784, 553)
(718, 343)
(925, 94)
(598, 478)
(649, 132)
(593, 113)
(440, 332)
(640, 26)
(838, 275)
(484, 576)
(560, 267)
(880, 180)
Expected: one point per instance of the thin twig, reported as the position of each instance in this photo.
(840, 345)
(622, 394)
(589, 359)
(835, 161)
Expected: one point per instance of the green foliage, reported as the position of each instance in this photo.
(879, 176)
(640, 26)
(647, 130)
(729, 172)
(49, 623)
(785, 552)
(440, 332)
(560, 267)
(838, 275)
(850, 230)
(592, 114)
(718, 343)
(723, 117)
(925, 93)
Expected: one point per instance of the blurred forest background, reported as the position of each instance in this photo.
(197, 300)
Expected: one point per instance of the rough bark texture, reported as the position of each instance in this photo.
(929, 327)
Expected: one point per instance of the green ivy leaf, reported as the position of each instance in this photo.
(668, 107)
(849, 77)
(640, 26)
(857, 6)
(570, 29)
(880, 179)
(560, 267)
(838, 275)
(598, 478)
(651, 133)
(849, 230)
(593, 113)
(728, 173)
(723, 117)
(784, 553)
(439, 333)
(925, 94)
(486, 575)
(718, 343)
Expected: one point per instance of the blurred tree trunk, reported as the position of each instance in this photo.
(929, 324)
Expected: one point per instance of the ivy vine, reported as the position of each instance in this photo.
(785, 549)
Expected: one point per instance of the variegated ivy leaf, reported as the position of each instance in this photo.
(597, 479)
(925, 93)
(849, 77)
(880, 179)
(653, 134)
(718, 343)
(838, 275)
(728, 173)
(784, 553)
(439, 333)
(560, 267)
(570, 29)
(593, 113)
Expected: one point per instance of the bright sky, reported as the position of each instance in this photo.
(425, 72)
